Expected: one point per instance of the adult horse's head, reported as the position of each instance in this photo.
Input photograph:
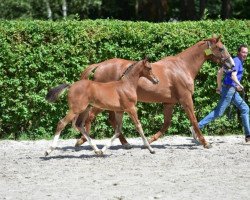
(218, 53)
(147, 71)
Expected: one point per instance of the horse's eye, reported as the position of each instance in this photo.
(221, 49)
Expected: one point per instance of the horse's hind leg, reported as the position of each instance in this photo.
(133, 114)
(91, 116)
(167, 111)
(93, 112)
(79, 125)
(60, 126)
(118, 130)
(113, 122)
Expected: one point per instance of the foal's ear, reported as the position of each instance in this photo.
(145, 59)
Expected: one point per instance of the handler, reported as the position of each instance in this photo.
(229, 93)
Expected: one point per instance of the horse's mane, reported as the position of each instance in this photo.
(128, 70)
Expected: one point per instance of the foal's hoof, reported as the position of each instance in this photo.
(127, 146)
(99, 153)
(207, 146)
(46, 153)
(79, 142)
(152, 151)
(77, 148)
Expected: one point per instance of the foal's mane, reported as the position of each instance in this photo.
(128, 69)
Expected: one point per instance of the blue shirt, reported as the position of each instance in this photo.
(238, 68)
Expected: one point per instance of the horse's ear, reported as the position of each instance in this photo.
(213, 39)
(218, 38)
(214, 36)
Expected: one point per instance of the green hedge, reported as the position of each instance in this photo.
(38, 55)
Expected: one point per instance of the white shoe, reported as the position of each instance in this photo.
(196, 139)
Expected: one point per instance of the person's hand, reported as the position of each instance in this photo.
(239, 87)
(218, 90)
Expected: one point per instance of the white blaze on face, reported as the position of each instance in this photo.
(232, 61)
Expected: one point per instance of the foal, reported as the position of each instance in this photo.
(118, 96)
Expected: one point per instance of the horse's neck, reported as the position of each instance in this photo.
(193, 58)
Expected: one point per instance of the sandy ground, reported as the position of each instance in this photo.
(180, 169)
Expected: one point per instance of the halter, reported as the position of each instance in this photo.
(209, 51)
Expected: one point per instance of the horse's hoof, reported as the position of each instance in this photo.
(99, 153)
(77, 148)
(46, 153)
(49, 151)
(79, 142)
(127, 146)
(152, 151)
(207, 146)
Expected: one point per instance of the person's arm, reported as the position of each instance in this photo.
(235, 79)
(219, 80)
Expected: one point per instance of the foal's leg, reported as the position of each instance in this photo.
(78, 125)
(118, 130)
(84, 119)
(167, 111)
(188, 106)
(133, 114)
(113, 122)
(93, 112)
(60, 126)
(91, 143)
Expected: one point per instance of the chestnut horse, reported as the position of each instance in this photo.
(118, 96)
(176, 75)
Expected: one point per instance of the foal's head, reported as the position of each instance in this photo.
(143, 69)
(147, 71)
(218, 53)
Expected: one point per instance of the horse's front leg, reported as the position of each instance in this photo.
(167, 111)
(133, 114)
(60, 126)
(187, 103)
(118, 130)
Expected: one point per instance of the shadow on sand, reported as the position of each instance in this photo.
(191, 146)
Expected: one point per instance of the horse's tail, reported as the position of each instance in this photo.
(54, 93)
(85, 74)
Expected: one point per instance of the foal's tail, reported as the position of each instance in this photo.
(85, 74)
(54, 93)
